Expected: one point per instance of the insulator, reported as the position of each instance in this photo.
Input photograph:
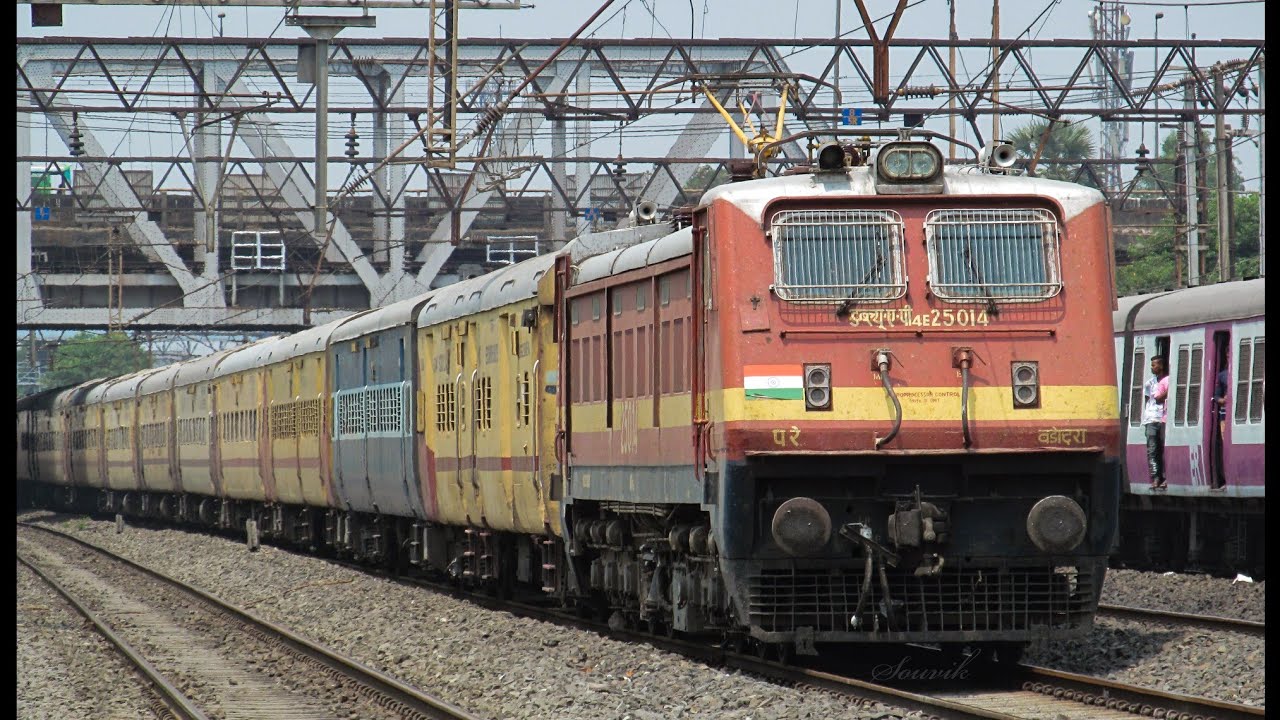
(919, 91)
(353, 139)
(76, 145)
(619, 167)
(491, 115)
(355, 184)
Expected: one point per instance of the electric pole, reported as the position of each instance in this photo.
(995, 71)
(1222, 148)
(1190, 133)
(951, 68)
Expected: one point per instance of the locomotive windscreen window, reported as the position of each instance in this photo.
(990, 255)
(837, 255)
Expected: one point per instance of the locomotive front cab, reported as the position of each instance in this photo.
(913, 421)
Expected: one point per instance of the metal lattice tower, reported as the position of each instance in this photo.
(1112, 70)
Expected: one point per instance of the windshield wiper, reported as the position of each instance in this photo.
(853, 299)
(977, 275)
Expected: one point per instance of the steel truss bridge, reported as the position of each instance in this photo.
(232, 106)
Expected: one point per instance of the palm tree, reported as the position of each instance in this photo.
(1068, 144)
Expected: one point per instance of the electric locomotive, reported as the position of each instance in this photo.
(901, 423)
(863, 402)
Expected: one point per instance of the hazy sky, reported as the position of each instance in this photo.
(671, 18)
(711, 18)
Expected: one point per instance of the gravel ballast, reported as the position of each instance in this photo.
(491, 663)
(64, 668)
(1192, 594)
(502, 666)
(1222, 665)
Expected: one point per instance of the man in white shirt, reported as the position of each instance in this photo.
(1154, 415)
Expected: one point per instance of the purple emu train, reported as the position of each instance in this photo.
(1210, 516)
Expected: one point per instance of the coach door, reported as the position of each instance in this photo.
(1217, 360)
(1186, 452)
(1144, 348)
(350, 373)
(464, 390)
(1246, 413)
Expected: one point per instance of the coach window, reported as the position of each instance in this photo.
(1187, 401)
(1162, 350)
(1251, 358)
(1137, 377)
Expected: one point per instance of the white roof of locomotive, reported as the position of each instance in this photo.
(753, 195)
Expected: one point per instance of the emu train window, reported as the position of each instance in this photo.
(1186, 407)
(1251, 361)
(836, 255)
(993, 255)
(1137, 377)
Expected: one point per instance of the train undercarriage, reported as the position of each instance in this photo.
(657, 568)
(1217, 535)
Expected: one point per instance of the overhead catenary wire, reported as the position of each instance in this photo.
(652, 130)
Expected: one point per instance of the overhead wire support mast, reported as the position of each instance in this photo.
(214, 75)
(490, 119)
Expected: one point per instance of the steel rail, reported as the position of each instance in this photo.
(1111, 698)
(173, 698)
(1207, 622)
(411, 698)
(704, 652)
(1147, 702)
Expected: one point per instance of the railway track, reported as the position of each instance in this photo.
(205, 658)
(1207, 622)
(995, 693)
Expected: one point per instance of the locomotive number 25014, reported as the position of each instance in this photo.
(906, 317)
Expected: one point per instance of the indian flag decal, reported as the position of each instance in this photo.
(773, 382)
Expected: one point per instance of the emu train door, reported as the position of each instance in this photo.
(1216, 428)
(1186, 452)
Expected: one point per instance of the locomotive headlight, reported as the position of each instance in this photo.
(1026, 384)
(1057, 524)
(909, 162)
(817, 387)
(801, 526)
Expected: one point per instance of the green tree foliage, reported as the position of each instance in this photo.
(93, 355)
(1066, 146)
(1150, 263)
(704, 178)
